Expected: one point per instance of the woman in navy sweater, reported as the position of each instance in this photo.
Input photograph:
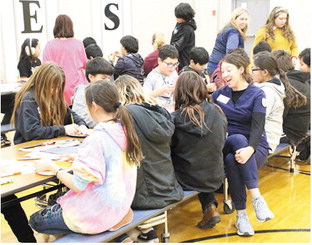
(231, 36)
(246, 147)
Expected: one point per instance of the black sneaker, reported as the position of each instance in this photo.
(148, 237)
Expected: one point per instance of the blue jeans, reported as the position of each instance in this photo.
(239, 175)
(49, 221)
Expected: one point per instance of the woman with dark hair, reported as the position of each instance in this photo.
(199, 163)
(246, 147)
(67, 52)
(28, 60)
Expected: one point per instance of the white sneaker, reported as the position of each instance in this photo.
(243, 226)
(263, 213)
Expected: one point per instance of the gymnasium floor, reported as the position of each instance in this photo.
(287, 194)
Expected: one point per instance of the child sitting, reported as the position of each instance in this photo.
(103, 182)
(40, 110)
(129, 61)
(96, 69)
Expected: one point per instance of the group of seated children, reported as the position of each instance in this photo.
(139, 155)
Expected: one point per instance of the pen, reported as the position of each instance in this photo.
(31, 146)
(72, 118)
(28, 158)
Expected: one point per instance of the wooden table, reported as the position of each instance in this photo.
(23, 182)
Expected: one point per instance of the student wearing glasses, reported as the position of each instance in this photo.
(160, 82)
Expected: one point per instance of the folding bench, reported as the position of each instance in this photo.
(6, 128)
(141, 218)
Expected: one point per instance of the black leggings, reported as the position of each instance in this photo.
(17, 220)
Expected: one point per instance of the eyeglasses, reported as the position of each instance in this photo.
(256, 69)
(172, 65)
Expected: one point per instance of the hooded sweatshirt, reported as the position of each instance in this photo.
(101, 162)
(197, 152)
(157, 185)
(297, 120)
(183, 38)
(130, 64)
(275, 93)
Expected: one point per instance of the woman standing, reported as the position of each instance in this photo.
(278, 33)
(246, 147)
(67, 52)
(198, 164)
(232, 36)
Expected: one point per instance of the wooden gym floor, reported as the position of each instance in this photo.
(287, 194)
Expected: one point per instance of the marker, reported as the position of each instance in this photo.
(28, 158)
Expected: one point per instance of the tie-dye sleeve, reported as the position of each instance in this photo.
(90, 162)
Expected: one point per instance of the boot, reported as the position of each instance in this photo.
(211, 217)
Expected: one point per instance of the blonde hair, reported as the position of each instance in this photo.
(269, 25)
(46, 78)
(131, 91)
(235, 14)
(158, 40)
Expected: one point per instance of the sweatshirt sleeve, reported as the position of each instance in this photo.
(180, 39)
(294, 49)
(28, 123)
(232, 42)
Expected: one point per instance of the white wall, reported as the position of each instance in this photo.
(140, 18)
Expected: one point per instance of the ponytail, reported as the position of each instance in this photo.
(134, 154)
(294, 98)
(105, 94)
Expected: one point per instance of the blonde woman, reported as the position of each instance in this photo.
(278, 33)
(231, 36)
(151, 61)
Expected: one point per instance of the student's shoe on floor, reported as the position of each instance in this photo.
(124, 238)
(149, 237)
(243, 226)
(211, 217)
(263, 213)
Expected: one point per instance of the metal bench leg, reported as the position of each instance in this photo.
(293, 156)
(228, 206)
(165, 235)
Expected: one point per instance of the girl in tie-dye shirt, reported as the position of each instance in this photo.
(102, 185)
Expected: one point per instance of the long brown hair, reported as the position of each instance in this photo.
(269, 25)
(63, 27)
(47, 83)
(131, 91)
(267, 61)
(190, 91)
(105, 94)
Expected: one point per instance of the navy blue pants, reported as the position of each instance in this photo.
(239, 175)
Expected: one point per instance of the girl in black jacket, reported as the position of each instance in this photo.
(197, 143)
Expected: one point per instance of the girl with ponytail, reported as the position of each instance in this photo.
(103, 182)
(28, 60)
(273, 81)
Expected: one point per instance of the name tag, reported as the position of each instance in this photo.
(223, 99)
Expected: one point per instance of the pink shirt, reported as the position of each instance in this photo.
(70, 54)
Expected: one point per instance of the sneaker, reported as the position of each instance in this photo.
(263, 213)
(243, 226)
(124, 238)
(148, 237)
